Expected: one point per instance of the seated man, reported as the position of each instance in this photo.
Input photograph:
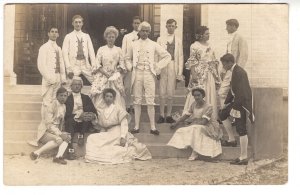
(50, 132)
(79, 109)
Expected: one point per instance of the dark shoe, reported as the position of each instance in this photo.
(33, 156)
(227, 143)
(154, 132)
(133, 131)
(161, 120)
(169, 119)
(80, 141)
(220, 122)
(71, 154)
(239, 162)
(130, 110)
(59, 160)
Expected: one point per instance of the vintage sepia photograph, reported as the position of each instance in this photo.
(145, 94)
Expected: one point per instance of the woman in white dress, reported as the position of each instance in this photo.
(108, 70)
(202, 133)
(114, 144)
(204, 70)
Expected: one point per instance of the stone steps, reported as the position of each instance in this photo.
(144, 137)
(22, 116)
(36, 106)
(157, 150)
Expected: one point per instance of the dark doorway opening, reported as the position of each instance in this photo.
(99, 16)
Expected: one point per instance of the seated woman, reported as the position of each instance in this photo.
(50, 129)
(114, 144)
(108, 70)
(202, 133)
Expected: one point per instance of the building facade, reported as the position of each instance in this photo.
(265, 27)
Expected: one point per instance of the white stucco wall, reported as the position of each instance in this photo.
(265, 27)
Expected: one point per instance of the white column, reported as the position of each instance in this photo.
(175, 12)
(10, 77)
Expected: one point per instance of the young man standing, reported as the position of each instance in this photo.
(77, 50)
(126, 44)
(51, 66)
(172, 72)
(141, 60)
(237, 46)
(238, 104)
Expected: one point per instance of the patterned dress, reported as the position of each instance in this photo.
(203, 139)
(203, 59)
(111, 60)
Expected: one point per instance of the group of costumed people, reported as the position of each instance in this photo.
(115, 73)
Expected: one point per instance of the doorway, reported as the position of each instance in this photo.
(99, 16)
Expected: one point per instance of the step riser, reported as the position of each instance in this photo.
(156, 151)
(180, 100)
(31, 127)
(36, 115)
(163, 138)
(32, 106)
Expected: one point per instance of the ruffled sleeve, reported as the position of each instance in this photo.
(208, 113)
(98, 63)
(195, 56)
(121, 63)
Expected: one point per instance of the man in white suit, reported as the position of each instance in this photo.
(51, 66)
(126, 43)
(172, 72)
(141, 60)
(237, 46)
(77, 50)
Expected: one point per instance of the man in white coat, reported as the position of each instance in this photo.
(141, 60)
(172, 72)
(51, 66)
(237, 46)
(126, 43)
(77, 50)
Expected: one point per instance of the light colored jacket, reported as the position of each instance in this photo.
(70, 48)
(152, 49)
(178, 53)
(46, 62)
(127, 41)
(239, 49)
(50, 115)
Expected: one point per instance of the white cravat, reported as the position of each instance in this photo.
(78, 107)
(170, 38)
(143, 57)
(78, 34)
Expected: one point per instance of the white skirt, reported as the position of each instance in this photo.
(104, 148)
(192, 136)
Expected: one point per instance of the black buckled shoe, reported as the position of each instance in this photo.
(80, 140)
(33, 156)
(59, 160)
(239, 162)
(133, 131)
(161, 120)
(154, 132)
(71, 154)
(227, 143)
(169, 119)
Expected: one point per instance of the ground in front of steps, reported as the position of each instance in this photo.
(20, 170)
